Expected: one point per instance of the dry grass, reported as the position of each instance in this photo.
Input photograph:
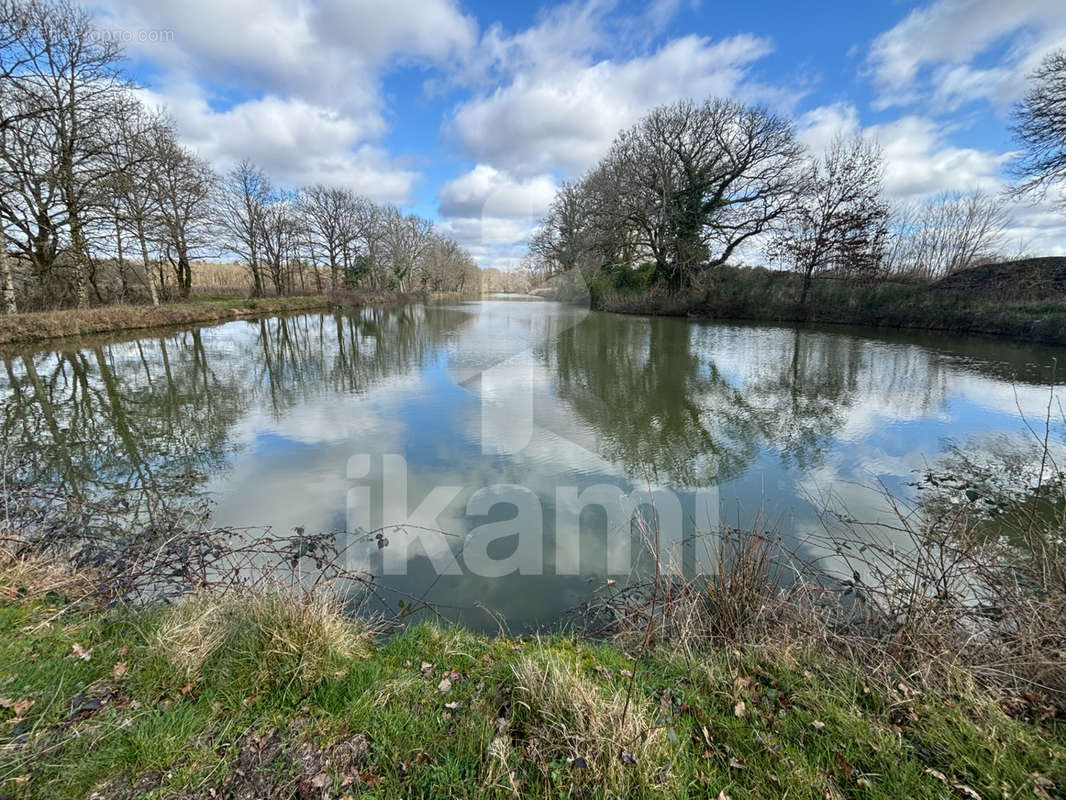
(966, 584)
(34, 575)
(279, 638)
(937, 601)
(215, 275)
(564, 717)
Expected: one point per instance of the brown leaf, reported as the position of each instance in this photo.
(818, 725)
(119, 669)
(21, 707)
(320, 781)
(82, 653)
(723, 796)
(6, 702)
(427, 668)
(451, 706)
(740, 710)
(444, 686)
(966, 790)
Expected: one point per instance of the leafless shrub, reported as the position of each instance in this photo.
(952, 232)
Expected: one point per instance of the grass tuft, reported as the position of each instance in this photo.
(592, 733)
(259, 640)
(34, 576)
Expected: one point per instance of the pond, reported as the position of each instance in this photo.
(502, 445)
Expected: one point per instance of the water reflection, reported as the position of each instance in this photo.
(157, 414)
(265, 415)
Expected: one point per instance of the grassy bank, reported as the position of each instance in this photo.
(1023, 300)
(268, 697)
(42, 325)
(39, 325)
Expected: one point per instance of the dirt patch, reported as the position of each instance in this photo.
(270, 768)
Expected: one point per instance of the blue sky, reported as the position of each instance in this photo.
(471, 113)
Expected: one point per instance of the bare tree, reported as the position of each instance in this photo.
(951, 232)
(184, 189)
(563, 240)
(839, 220)
(281, 232)
(368, 233)
(330, 216)
(445, 266)
(242, 205)
(143, 139)
(18, 48)
(1040, 125)
(74, 80)
(407, 238)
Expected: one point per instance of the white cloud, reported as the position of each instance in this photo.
(492, 213)
(932, 52)
(381, 29)
(492, 241)
(562, 114)
(486, 191)
(294, 141)
(920, 161)
(324, 50)
(818, 127)
(306, 77)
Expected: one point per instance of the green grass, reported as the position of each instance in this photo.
(807, 728)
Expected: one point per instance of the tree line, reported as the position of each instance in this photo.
(692, 185)
(100, 201)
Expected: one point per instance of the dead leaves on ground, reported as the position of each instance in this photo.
(17, 707)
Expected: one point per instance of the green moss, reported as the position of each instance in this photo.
(807, 728)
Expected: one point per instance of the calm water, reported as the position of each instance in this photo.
(297, 421)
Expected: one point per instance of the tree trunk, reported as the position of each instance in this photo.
(184, 275)
(806, 285)
(7, 285)
(121, 261)
(148, 279)
(81, 262)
